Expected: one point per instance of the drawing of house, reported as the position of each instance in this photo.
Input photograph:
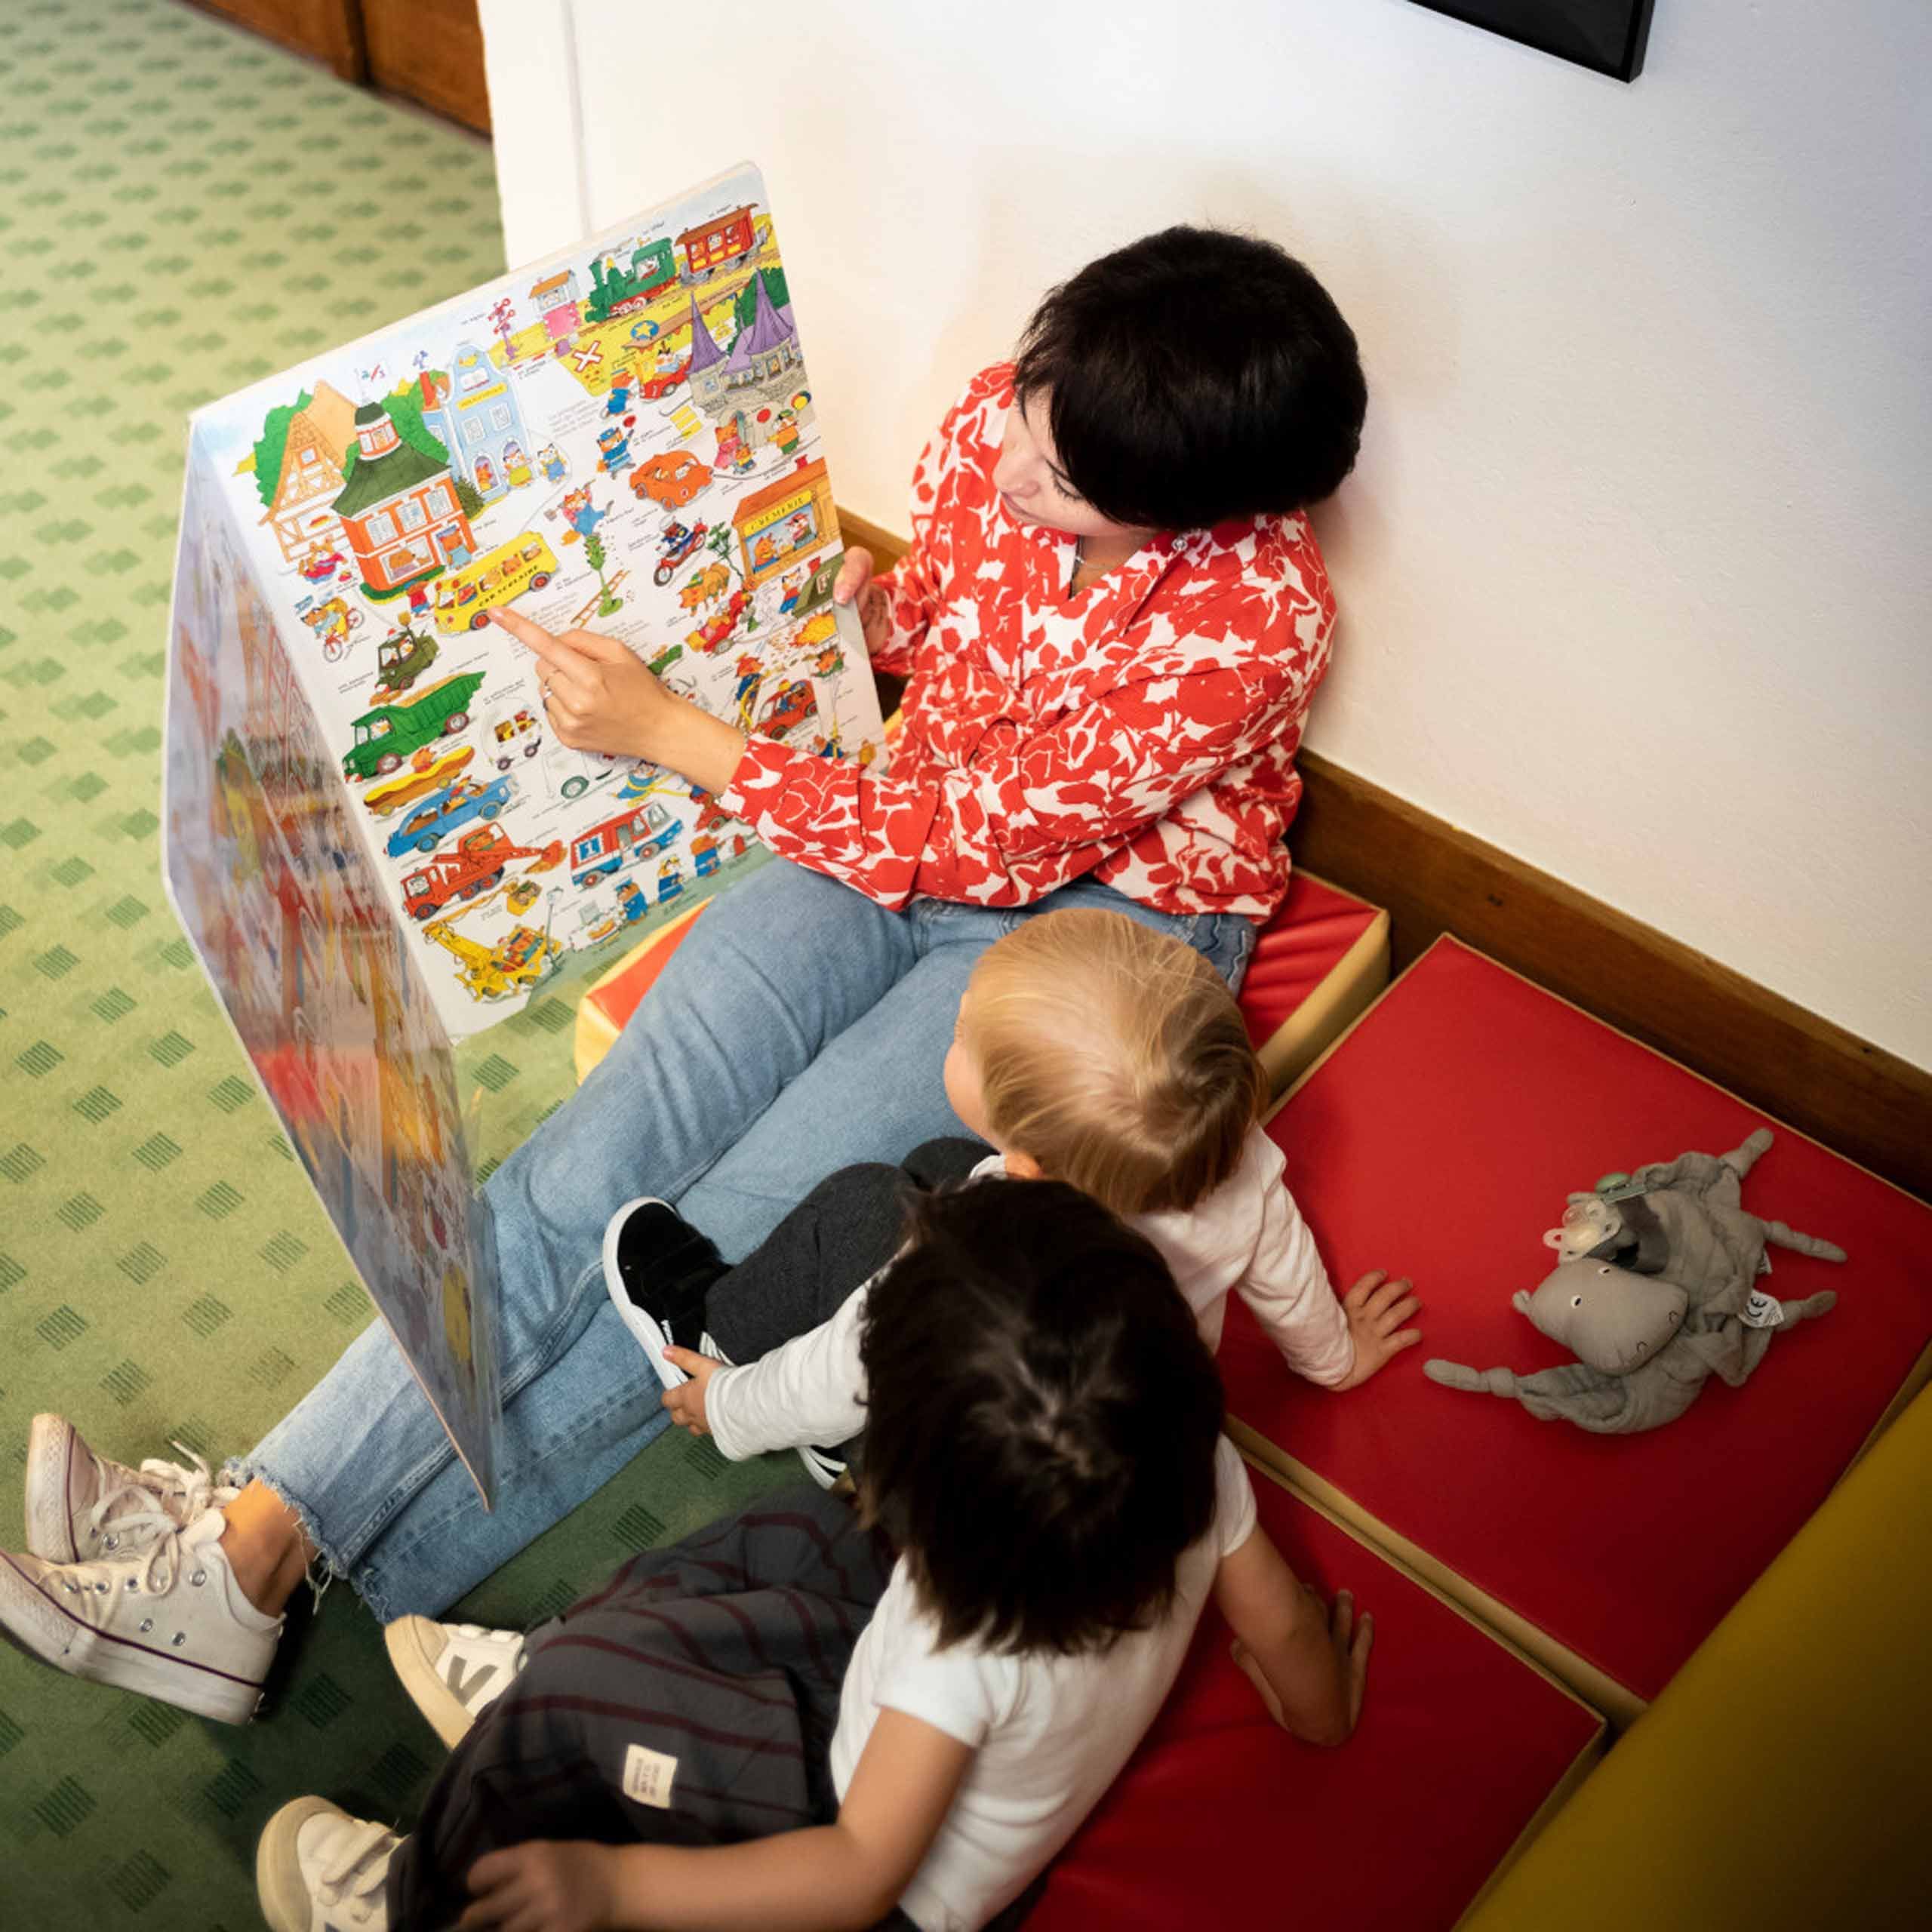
(746, 392)
(785, 521)
(556, 300)
(706, 372)
(764, 361)
(474, 411)
(312, 455)
(399, 508)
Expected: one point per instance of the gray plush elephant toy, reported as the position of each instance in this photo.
(1655, 1292)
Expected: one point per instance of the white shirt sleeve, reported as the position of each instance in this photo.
(812, 1390)
(1288, 1289)
(1234, 1515)
(963, 1691)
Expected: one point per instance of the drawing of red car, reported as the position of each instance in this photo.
(712, 633)
(654, 388)
(790, 708)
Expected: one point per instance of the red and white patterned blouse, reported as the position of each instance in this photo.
(1142, 733)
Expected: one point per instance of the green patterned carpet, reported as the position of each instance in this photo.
(187, 209)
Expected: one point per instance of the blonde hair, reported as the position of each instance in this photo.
(1113, 1055)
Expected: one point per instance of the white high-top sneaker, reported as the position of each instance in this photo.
(81, 1505)
(171, 1621)
(317, 1869)
(453, 1671)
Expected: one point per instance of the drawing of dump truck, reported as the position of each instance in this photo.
(387, 734)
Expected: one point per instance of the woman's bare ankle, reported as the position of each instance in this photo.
(263, 1540)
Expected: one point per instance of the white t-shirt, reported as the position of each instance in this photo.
(1049, 1733)
(1247, 1236)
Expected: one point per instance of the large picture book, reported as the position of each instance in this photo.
(372, 834)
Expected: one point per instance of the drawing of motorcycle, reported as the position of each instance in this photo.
(678, 542)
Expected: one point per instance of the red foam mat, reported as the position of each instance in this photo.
(1306, 939)
(1298, 948)
(621, 996)
(1222, 1819)
(1439, 1140)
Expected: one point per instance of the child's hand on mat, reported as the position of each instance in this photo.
(1352, 1639)
(686, 1402)
(855, 585)
(1377, 1308)
(544, 1885)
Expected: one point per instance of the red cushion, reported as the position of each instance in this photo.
(620, 996)
(1439, 1140)
(1311, 930)
(1221, 1819)
(1305, 940)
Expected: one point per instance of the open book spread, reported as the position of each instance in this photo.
(373, 835)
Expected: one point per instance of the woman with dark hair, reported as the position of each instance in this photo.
(1112, 619)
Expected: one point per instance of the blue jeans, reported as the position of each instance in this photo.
(800, 1028)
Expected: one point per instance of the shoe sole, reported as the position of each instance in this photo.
(448, 1715)
(651, 1338)
(50, 1468)
(31, 1621)
(284, 1899)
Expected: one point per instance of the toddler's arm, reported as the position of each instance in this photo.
(847, 1874)
(811, 1390)
(1308, 1662)
(1337, 1342)
(1288, 1288)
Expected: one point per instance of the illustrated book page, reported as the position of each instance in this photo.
(621, 438)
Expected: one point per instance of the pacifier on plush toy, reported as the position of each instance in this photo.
(1655, 1292)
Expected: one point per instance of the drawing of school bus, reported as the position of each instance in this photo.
(465, 598)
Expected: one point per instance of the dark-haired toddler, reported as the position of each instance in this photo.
(719, 1737)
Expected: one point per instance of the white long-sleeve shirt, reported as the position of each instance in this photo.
(1247, 1237)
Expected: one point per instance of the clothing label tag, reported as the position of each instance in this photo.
(1762, 1311)
(647, 1775)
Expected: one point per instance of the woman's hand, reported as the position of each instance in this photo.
(598, 697)
(855, 585)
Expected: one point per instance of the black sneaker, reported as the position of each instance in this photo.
(657, 1267)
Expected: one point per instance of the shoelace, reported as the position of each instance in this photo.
(358, 1867)
(194, 1489)
(93, 1581)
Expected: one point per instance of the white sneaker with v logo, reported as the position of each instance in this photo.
(317, 1869)
(453, 1671)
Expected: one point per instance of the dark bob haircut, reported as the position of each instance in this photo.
(1041, 1418)
(1195, 375)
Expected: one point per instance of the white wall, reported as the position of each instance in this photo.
(1633, 579)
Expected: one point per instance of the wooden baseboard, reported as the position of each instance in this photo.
(330, 31)
(1859, 1100)
(430, 52)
